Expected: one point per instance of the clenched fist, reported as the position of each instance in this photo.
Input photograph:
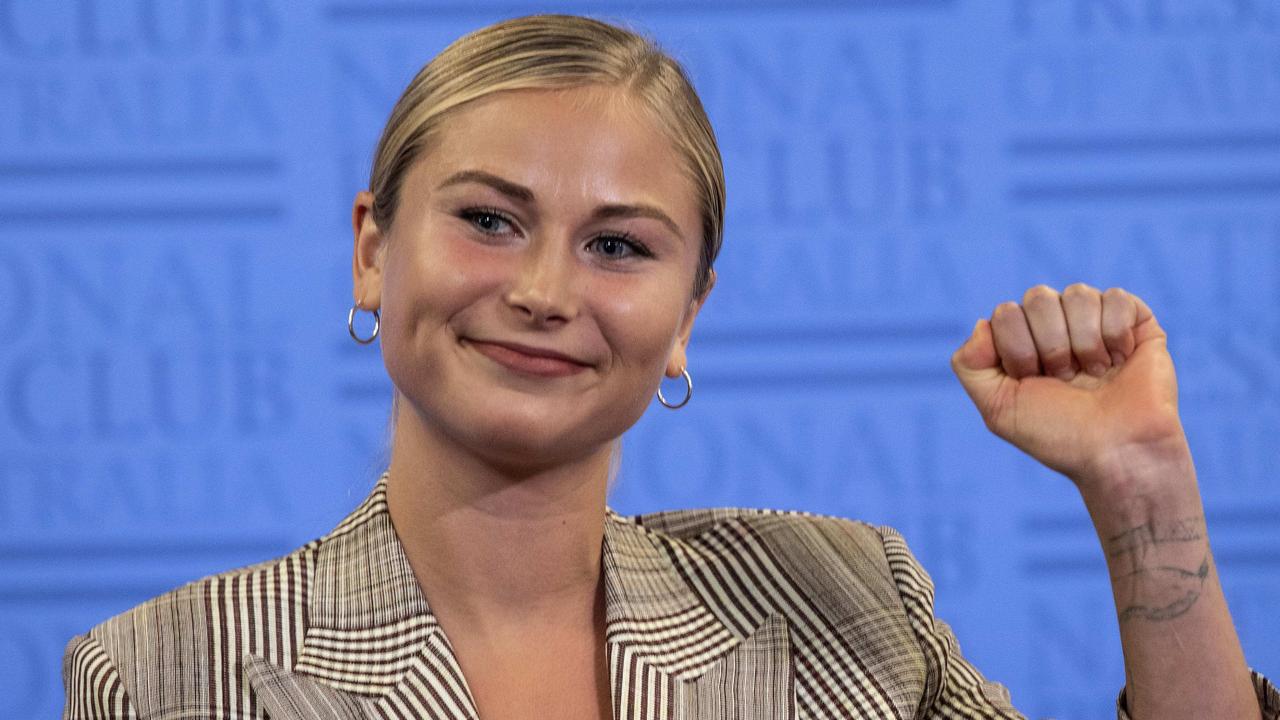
(1081, 381)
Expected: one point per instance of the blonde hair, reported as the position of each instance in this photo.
(553, 52)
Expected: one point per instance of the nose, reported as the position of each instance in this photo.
(542, 290)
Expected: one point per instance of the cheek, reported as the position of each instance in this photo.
(432, 283)
(641, 325)
(439, 277)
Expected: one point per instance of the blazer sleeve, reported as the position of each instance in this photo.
(954, 688)
(92, 684)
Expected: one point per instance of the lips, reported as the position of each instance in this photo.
(528, 359)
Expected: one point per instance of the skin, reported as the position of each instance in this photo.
(498, 477)
(1083, 382)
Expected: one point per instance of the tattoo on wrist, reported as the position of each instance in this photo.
(1155, 587)
(1187, 587)
(1142, 538)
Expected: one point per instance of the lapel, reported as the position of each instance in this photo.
(672, 653)
(373, 649)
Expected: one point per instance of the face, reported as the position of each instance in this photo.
(536, 283)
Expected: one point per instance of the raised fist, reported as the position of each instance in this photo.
(1080, 380)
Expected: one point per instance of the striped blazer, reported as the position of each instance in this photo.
(724, 613)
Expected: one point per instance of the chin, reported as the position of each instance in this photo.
(520, 452)
(522, 433)
(537, 436)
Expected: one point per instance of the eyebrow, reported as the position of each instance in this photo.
(520, 193)
(506, 187)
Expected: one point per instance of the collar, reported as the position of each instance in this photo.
(374, 649)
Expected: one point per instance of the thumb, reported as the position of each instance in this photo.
(977, 365)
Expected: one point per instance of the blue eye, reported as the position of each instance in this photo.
(616, 247)
(486, 221)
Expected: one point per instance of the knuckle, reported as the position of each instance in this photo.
(1078, 291)
(1115, 293)
(1039, 294)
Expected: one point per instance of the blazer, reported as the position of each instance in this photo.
(710, 614)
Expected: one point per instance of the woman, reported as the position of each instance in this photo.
(545, 206)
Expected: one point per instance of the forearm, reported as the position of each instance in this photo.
(1181, 653)
(1110, 422)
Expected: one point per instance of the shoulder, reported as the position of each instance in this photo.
(773, 524)
(785, 531)
(196, 633)
(834, 581)
(239, 592)
(845, 565)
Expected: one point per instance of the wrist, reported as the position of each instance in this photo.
(1138, 469)
(1140, 486)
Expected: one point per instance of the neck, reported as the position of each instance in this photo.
(495, 548)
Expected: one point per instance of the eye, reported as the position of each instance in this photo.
(617, 247)
(486, 220)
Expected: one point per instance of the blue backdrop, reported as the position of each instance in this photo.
(178, 393)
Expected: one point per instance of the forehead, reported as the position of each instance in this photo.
(581, 145)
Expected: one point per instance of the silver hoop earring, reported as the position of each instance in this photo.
(351, 326)
(688, 392)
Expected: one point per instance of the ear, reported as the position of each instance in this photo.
(370, 248)
(679, 352)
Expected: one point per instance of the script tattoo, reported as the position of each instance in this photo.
(1148, 563)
